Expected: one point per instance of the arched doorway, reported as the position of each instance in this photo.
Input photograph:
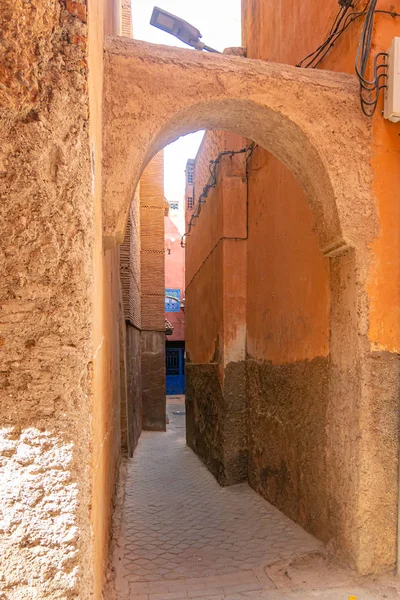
(164, 93)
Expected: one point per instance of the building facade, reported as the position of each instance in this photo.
(300, 341)
(175, 300)
(289, 306)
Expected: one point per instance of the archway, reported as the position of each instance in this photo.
(311, 122)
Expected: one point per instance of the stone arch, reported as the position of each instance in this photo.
(309, 119)
(312, 122)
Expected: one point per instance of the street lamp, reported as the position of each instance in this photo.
(179, 28)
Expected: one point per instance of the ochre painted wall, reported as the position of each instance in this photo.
(270, 32)
(104, 18)
(288, 278)
(289, 304)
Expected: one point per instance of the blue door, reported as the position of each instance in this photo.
(175, 359)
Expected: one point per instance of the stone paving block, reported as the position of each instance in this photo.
(183, 536)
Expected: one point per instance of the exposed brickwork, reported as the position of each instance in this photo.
(152, 211)
(126, 18)
(130, 265)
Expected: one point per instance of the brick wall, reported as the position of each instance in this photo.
(152, 211)
(126, 18)
(130, 270)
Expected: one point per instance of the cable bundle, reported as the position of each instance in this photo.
(212, 182)
(339, 25)
(369, 88)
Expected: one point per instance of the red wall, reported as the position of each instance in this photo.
(175, 276)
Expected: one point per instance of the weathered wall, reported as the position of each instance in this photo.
(287, 346)
(287, 407)
(215, 308)
(204, 415)
(104, 18)
(152, 212)
(60, 303)
(288, 315)
(153, 380)
(134, 383)
(47, 232)
(130, 276)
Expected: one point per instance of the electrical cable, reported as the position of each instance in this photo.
(369, 89)
(212, 182)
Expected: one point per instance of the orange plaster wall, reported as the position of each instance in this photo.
(208, 291)
(204, 335)
(384, 282)
(106, 417)
(204, 307)
(271, 32)
(288, 278)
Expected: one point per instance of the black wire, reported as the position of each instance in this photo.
(328, 44)
(369, 89)
(212, 182)
(332, 35)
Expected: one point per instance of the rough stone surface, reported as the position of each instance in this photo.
(234, 428)
(38, 524)
(310, 120)
(134, 383)
(46, 232)
(153, 380)
(287, 407)
(217, 419)
(204, 411)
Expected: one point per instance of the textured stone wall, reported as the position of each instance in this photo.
(287, 444)
(152, 212)
(204, 415)
(46, 258)
(134, 383)
(153, 380)
(327, 315)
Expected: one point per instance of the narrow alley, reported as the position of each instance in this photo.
(199, 308)
(180, 535)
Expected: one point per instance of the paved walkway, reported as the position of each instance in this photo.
(181, 532)
(178, 535)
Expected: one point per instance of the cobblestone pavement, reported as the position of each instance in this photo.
(181, 532)
(180, 535)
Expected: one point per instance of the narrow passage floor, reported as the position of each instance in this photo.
(180, 535)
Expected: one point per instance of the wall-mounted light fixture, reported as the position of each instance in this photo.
(179, 28)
